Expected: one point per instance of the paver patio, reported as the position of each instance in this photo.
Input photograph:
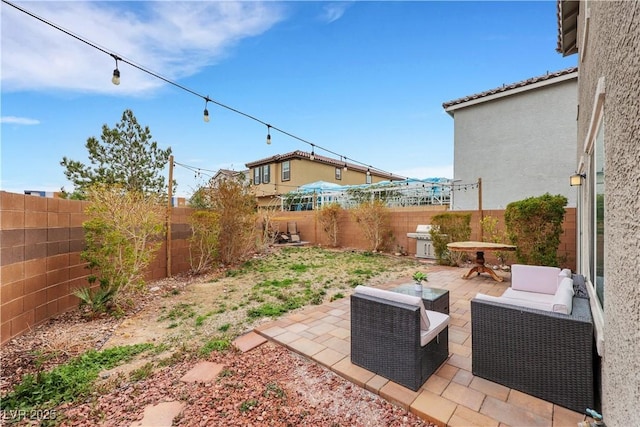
(453, 396)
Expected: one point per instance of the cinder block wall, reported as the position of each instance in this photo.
(405, 220)
(40, 266)
(41, 240)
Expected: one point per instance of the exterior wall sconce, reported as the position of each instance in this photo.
(575, 180)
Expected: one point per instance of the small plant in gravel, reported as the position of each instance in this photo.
(142, 372)
(68, 382)
(273, 389)
(337, 296)
(248, 405)
(214, 345)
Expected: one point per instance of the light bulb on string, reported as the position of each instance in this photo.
(116, 73)
(345, 164)
(206, 112)
(268, 134)
(313, 155)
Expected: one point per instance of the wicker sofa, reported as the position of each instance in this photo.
(543, 353)
(388, 336)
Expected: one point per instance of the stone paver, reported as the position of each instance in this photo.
(395, 393)
(433, 408)
(203, 372)
(248, 341)
(160, 415)
(512, 415)
(464, 396)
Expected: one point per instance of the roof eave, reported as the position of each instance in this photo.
(568, 11)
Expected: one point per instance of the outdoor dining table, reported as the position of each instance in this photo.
(480, 248)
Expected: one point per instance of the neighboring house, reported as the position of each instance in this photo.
(277, 175)
(224, 174)
(518, 138)
(606, 36)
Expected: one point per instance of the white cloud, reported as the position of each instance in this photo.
(19, 120)
(173, 39)
(334, 11)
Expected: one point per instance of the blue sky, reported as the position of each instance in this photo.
(363, 79)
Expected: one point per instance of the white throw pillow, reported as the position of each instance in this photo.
(534, 278)
(563, 299)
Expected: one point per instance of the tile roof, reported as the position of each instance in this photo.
(298, 154)
(505, 88)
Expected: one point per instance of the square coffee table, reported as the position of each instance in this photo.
(434, 299)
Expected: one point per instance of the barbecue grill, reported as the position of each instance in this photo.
(424, 246)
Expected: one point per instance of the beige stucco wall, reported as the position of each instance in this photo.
(612, 51)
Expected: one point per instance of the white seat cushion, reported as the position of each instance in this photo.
(529, 296)
(438, 321)
(515, 301)
(397, 297)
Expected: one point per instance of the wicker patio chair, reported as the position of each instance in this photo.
(386, 340)
(544, 354)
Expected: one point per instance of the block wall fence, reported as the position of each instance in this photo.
(41, 240)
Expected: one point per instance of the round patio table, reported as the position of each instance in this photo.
(480, 248)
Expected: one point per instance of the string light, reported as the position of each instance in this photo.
(116, 73)
(345, 164)
(206, 112)
(116, 80)
(313, 155)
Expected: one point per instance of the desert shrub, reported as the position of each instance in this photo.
(328, 218)
(122, 235)
(204, 240)
(534, 225)
(446, 228)
(236, 207)
(374, 219)
(494, 234)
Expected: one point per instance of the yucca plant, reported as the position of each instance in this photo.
(96, 301)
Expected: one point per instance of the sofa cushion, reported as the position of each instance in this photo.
(529, 296)
(563, 299)
(438, 321)
(535, 278)
(545, 306)
(397, 297)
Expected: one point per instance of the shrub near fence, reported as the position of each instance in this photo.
(40, 266)
(41, 240)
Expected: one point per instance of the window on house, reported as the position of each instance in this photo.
(338, 174)
(256, 175)
(598, 227)
(266, 169)
(286, 171)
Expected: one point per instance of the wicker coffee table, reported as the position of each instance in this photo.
(434, 299)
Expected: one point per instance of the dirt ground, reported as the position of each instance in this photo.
(268, 385)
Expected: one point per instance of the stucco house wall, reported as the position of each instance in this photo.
(521, 142)
(609, 62)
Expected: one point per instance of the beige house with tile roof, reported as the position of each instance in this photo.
(277, 175)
